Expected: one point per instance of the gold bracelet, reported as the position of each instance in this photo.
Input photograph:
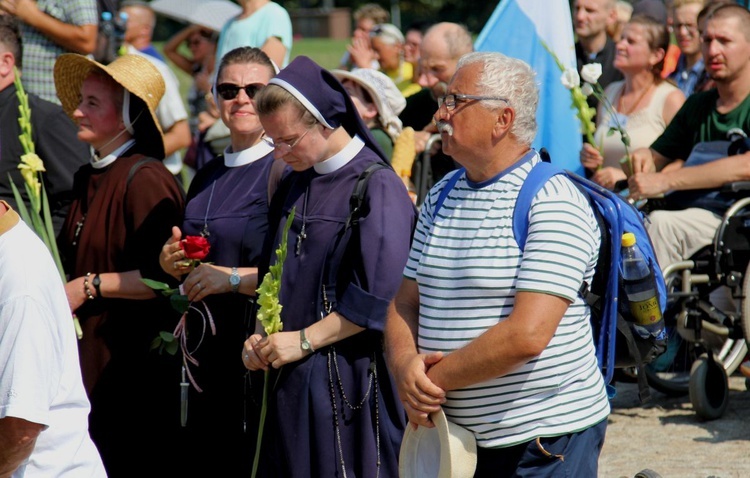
(86, 289)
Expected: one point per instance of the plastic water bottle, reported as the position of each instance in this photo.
(641, 290)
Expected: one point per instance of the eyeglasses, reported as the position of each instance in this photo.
(450, 101)
(285, 148)
(691, 28)
(229, 91)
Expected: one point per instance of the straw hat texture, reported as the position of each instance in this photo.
(446, 451)
(134, 73)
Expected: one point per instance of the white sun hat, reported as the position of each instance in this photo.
(389, 101)
(446, 451)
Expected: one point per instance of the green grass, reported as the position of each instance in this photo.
(325, 52)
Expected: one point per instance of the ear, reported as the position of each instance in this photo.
(612, 16)
(7, 62)
(503, 122)
(369, 112)
(657, 56)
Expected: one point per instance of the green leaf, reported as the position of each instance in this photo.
(180, 303)
(156, 344)
(22, 210)
(166, 336)
(172, 347)
(156, 285)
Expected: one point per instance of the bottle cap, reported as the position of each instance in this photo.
(106, 16)
(628, 239)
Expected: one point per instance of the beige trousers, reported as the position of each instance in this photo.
(677, 235)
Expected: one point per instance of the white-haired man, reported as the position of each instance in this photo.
(499, 338)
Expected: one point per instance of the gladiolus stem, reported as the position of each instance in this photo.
(263, 412)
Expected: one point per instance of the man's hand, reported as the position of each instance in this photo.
(417, 392)
(647, 185)
(642, 161)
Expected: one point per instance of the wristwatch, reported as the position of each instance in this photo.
(304, 343)
(234, 280)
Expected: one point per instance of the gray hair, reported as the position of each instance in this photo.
(512, 79)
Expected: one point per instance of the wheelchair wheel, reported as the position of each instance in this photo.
(709, 388)
(746, 305)
(670, 373)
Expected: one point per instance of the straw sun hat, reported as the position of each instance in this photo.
(134, 73)
(446, 451)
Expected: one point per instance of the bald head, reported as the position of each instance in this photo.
(442, 46)
(140, 27)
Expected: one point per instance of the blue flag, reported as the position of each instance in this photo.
(517, 29)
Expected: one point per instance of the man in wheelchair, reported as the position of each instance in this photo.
(690, 163)
(693, 163)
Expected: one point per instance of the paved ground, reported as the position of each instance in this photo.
(665, 435)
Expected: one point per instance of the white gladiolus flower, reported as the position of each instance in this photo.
(570, 78)
(587, 89)
(591, 72)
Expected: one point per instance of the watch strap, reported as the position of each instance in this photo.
(234, 280)
(304, 343)
(97, 282)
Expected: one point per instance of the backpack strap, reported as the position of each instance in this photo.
(357, 198)
(340, 247)
(447, 189)
(537, 178)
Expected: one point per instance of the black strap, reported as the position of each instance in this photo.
(623, 327)
(342, 242)
(357, 198)
(134, 169)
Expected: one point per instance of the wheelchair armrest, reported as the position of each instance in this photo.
(736, 187)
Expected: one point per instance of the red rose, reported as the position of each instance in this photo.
(195, 247)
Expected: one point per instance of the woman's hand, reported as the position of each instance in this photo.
(608, 177)
(361, 52)
(591, 158)
(205, 280)
(76, 294)
(279, 349)
(250, 357)
(172, 256)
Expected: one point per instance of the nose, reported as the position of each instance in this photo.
(77, 113)
(442, 113)
(426, 79)
(242, 96)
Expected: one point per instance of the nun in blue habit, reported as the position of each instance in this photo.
(333, 407)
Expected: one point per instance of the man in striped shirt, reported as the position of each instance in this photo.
(497, 337)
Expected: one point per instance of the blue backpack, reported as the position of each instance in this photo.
(617, 346)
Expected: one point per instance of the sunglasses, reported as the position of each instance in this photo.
(229, 91)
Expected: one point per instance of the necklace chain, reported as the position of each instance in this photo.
(204, 231)
(373, 380)
(635, 104)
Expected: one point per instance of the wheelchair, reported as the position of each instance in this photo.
(707, 343)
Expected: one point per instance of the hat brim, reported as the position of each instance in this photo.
(446, 451)
(72, 69)
(342, 75)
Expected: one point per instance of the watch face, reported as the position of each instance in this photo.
(234, 280)
(306, 345)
